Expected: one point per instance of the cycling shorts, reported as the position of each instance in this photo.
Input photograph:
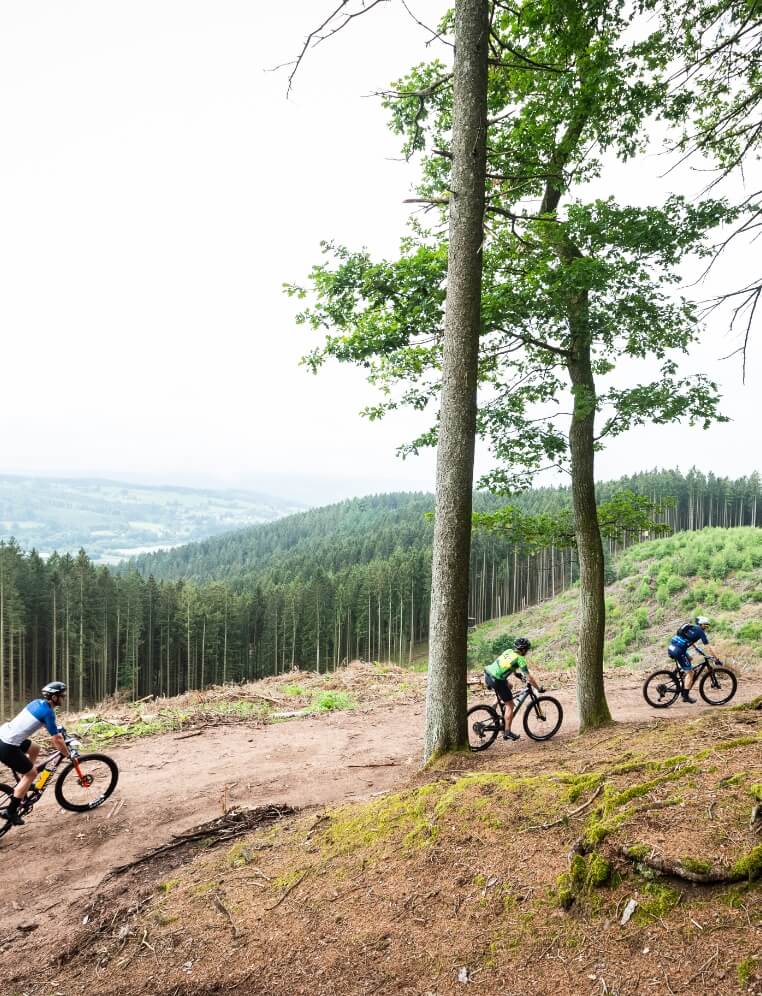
(681, 658)
(500, 685)
(15, 757)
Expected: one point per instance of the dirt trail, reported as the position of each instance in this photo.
(168, 784)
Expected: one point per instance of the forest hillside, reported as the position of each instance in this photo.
(659, 584)
(313, 590)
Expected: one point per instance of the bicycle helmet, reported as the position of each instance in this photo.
(53, 688)
(521, 645)
(703, 622)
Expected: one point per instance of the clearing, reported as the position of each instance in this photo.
(173, 781)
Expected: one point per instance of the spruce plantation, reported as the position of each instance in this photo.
(317, 589)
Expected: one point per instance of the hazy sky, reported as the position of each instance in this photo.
(156, 190)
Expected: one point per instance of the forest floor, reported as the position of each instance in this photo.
(58, 870)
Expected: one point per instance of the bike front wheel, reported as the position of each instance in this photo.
(5, 800)
(661, 688)
(718, 686)
(543, 717)
(483, 726)
(87, 785)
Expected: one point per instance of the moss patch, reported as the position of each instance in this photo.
(660, 902)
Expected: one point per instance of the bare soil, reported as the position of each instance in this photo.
(54, 868)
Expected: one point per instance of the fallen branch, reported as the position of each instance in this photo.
(265, 698)
(235, 823)
(567, 816)
(713, 876)
(224, 910)
(196, 733)
(289, 890)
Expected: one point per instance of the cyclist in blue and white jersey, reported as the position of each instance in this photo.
(17, 749)
(679, 646)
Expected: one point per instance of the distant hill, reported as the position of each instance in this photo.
(113, 520)
(357, 531)
(325, 540)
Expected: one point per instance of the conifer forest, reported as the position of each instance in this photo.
(313, 590)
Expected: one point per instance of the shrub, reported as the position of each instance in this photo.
(750, 631)
(294, 690)
(730, 601)
(331, 701)
(640, 618)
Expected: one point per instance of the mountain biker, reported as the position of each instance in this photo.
(496, 677)
(685, 638)
(18, 751)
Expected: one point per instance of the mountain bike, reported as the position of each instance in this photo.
(542, 718)
(82, 785)
(717, 684)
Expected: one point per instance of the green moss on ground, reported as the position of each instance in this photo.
(660, 902)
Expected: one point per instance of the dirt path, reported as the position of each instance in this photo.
(168, 784)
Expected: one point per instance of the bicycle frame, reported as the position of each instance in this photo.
(706, 664)
(519, 698)
(46, 772)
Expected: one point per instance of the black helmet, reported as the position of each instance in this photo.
(53, 688)
(521, 645)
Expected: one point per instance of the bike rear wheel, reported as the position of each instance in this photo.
(5, 797)
(99, 775)
(661, 688)
(483, 726)
(543, 717)
(718, 686)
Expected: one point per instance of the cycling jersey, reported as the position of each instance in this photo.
(687, 636)
(506, 664)
(32, 717)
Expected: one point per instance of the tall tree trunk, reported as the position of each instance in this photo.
(446, 689)
(591, 696)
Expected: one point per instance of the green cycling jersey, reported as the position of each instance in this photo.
(507, 664)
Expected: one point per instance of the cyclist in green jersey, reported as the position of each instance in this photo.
(497, 673)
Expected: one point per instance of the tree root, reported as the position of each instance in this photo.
(712, 876)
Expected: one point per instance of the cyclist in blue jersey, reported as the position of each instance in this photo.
(17, 749)
(679, 646)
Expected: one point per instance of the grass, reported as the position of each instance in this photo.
(332, 701)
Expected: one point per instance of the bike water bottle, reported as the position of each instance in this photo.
(42, 778)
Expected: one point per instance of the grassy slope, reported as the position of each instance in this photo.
(662, 583)
(469, 871)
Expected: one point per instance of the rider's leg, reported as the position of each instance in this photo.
(22, 764)
(507, 697)
(688, 675)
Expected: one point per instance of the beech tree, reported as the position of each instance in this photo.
(572, 283)
(446, 688)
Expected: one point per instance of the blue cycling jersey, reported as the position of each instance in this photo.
(687, 637)
(32, 717)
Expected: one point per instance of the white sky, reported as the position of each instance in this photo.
(156, 190)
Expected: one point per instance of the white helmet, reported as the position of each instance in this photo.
(703, 622)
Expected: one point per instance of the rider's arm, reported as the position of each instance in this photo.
(530, 679)
(708, 650)
(60, 744)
